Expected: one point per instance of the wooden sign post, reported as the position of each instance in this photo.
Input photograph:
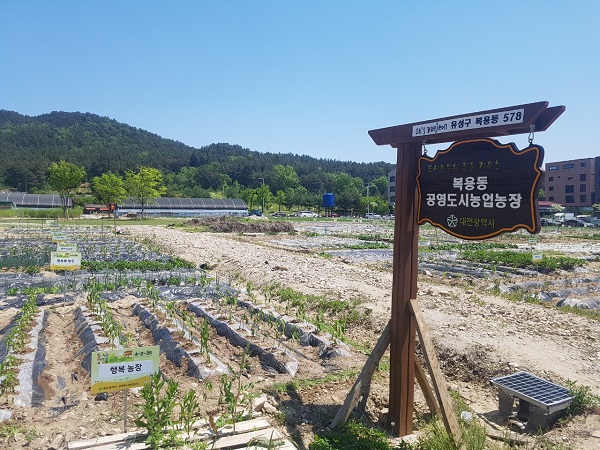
(408, 140)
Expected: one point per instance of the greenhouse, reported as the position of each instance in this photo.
(36, 201)
(184, 207)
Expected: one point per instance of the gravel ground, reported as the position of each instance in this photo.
(478, 334)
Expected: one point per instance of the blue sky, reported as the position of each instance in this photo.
(305, 77)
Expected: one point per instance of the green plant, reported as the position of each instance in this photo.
(189, 409)
(234, 394)
(8, 378)
(12, 291)
(521, 259)
(157, 409)
(10, 430)
(229, 298)
(31, 270)
(297, 385)
(354, 435)
(583, 399)
(204, 340)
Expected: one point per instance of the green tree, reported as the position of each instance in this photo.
(349, 200)
(280, 198)
(376, 205)
(296, 197)
(145, 184)
(65, 178)
(263, 193)
(233, 190)
(108, 188)
(344, 182)
(541, 194)
(381, 187)
(285, 177)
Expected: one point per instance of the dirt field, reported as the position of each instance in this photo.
(478, 333)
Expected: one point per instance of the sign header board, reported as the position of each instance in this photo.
(479, 188)
(490, 123)
(485, 120)
(125, 368)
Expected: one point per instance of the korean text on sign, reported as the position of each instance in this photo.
(469, 122)
(472, 195)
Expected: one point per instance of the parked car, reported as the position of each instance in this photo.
(545, 222)
(332, 215)
(254, 212)
(372, 216)
(388, 217)
(306, 214)
(576, 223)
(278, 214)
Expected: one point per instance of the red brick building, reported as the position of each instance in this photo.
(571, 183)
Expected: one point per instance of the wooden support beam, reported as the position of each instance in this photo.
(405, 266)
(426, 388)
(439, 384)
(363, 380)
(366, 374)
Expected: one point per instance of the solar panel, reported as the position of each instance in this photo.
(537, 391)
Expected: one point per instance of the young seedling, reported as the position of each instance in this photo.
(157, 409)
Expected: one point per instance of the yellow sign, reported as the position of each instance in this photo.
(125, 368)
(65, 260)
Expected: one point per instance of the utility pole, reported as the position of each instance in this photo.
(263, 195)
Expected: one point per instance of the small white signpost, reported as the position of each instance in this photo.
(66, 247)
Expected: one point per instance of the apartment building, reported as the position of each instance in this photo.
(572, 183)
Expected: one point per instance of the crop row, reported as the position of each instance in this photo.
(18, 366)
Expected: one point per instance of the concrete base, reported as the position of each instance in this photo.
(534, 416)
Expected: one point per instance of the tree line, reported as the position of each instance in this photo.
(103, 147)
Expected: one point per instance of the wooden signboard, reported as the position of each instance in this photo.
(479, 188)
(408, 139)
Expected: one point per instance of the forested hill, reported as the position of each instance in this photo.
(28, 145)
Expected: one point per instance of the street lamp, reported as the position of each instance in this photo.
(368, 204)
(263, 195)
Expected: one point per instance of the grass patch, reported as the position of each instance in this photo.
(9, 431)
(368, 246)
(521, 260)
(170, 264)
(298, 385)
(303, 302)
(520, 295)
(354, 435)
(472, 246)
(583, 399)
(374, 237)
